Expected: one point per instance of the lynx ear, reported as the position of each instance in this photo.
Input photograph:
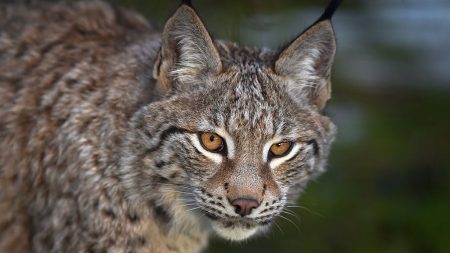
(187, 50)
(308, 59)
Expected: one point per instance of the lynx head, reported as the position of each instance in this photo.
(238, 132)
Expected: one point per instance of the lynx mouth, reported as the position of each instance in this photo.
(236, 229)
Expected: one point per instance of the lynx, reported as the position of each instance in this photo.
(117, 138)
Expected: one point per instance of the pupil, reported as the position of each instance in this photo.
(211, 138)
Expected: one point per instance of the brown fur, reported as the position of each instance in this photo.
(98, 119)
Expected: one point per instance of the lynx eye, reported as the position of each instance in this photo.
(212, 142)
(280, 149)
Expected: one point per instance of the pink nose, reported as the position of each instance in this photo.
(244, 206)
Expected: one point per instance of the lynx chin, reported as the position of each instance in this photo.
(115, 137)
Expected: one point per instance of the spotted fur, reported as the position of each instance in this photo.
(100, 119)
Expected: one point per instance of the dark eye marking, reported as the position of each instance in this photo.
(164, 135)
(315, 147)
(313, 142)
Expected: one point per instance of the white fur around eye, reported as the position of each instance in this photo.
(228, 141)
(275, 162)
(217, 158)
(279, 160)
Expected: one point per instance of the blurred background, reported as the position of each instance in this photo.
(387, 188)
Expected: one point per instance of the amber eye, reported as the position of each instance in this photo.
(280, 149)
(212, 142)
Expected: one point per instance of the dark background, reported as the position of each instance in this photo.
(387, 188)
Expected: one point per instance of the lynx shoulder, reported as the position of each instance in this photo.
(115, 137)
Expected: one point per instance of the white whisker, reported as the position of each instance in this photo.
(293, 223)
(193, 209)
(281, 230)
(306, 209)
(291, 214)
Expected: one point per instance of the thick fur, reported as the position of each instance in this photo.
(99, 123)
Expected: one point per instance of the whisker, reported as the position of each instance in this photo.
(174, 184)
(186, 201)
(279, 228)
(288, 210)
(193, 208)
(188, 205)
(306, 209)
(291, 214)
(293, 223)
(175, 191)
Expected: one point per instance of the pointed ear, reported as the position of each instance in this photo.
(307, 61)
(187, 50)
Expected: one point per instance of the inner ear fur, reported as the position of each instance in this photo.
(187, 50)
(307, 63)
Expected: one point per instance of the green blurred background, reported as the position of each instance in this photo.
(387, 188)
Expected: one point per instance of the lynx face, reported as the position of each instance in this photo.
(238, 133)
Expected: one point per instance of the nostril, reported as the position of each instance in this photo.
(244, 206)
(237, 209)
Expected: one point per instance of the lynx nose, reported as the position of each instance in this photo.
(244, 206)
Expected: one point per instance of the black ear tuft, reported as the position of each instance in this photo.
(187, 2)
(329, 11)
